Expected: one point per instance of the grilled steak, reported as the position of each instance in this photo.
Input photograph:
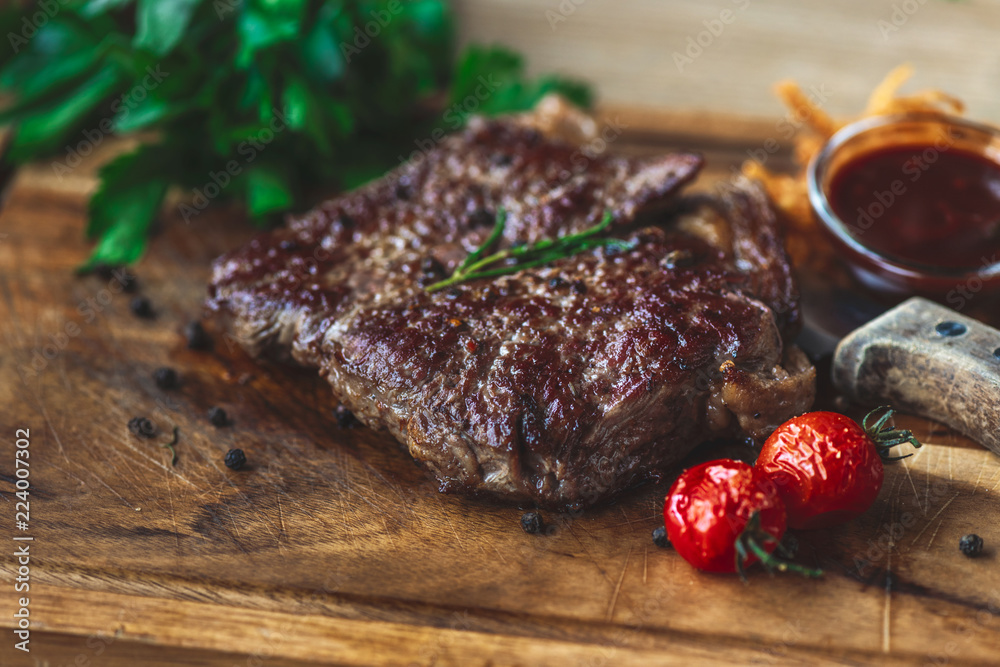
(561, 384)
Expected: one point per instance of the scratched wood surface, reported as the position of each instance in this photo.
(332, 547)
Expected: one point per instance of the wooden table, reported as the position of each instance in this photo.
(332, 547)
(724, 56)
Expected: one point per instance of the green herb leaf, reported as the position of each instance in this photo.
(303, 113)
(517, 258)
(297, 101)
(47, 129)
(270, 93)
(262, 25)
(267, 191)
(58, 39)
(146, 113)
(161, 24)
(320, 50)
(498, 226)
(498, 75)
(98, 7)
(125, 205)
(63, 71)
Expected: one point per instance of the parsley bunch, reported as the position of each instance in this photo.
(268, 102)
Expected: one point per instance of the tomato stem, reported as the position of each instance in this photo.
(750, 541)
(885, 436)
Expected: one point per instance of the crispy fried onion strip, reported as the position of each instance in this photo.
(789, 192)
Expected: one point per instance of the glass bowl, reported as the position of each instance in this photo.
(879, 270)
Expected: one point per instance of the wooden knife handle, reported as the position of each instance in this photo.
(928, 360)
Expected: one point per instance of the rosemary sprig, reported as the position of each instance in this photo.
(511, 260)
(170, 446)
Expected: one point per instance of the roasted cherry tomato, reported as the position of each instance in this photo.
(720, 517)
(825, 467)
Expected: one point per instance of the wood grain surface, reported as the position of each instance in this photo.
(840, 50)
(332, 547)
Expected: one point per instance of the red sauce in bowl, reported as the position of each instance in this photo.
(922, 205)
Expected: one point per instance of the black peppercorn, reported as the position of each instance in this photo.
(532, 523)
(142, 427)
(141, 307)
(660, 538)
(165, 378)
(557, 282)
(197, 339)
(971, 545)
(235, 459)
(218, 416)
(578, 287)
(345, 418)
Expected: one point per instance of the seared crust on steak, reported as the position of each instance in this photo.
(562, 384)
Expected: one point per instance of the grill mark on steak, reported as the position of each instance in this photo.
(563, 384)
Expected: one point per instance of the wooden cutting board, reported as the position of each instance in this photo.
(332, 547)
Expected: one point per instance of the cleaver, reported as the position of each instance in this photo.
(919, 357)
